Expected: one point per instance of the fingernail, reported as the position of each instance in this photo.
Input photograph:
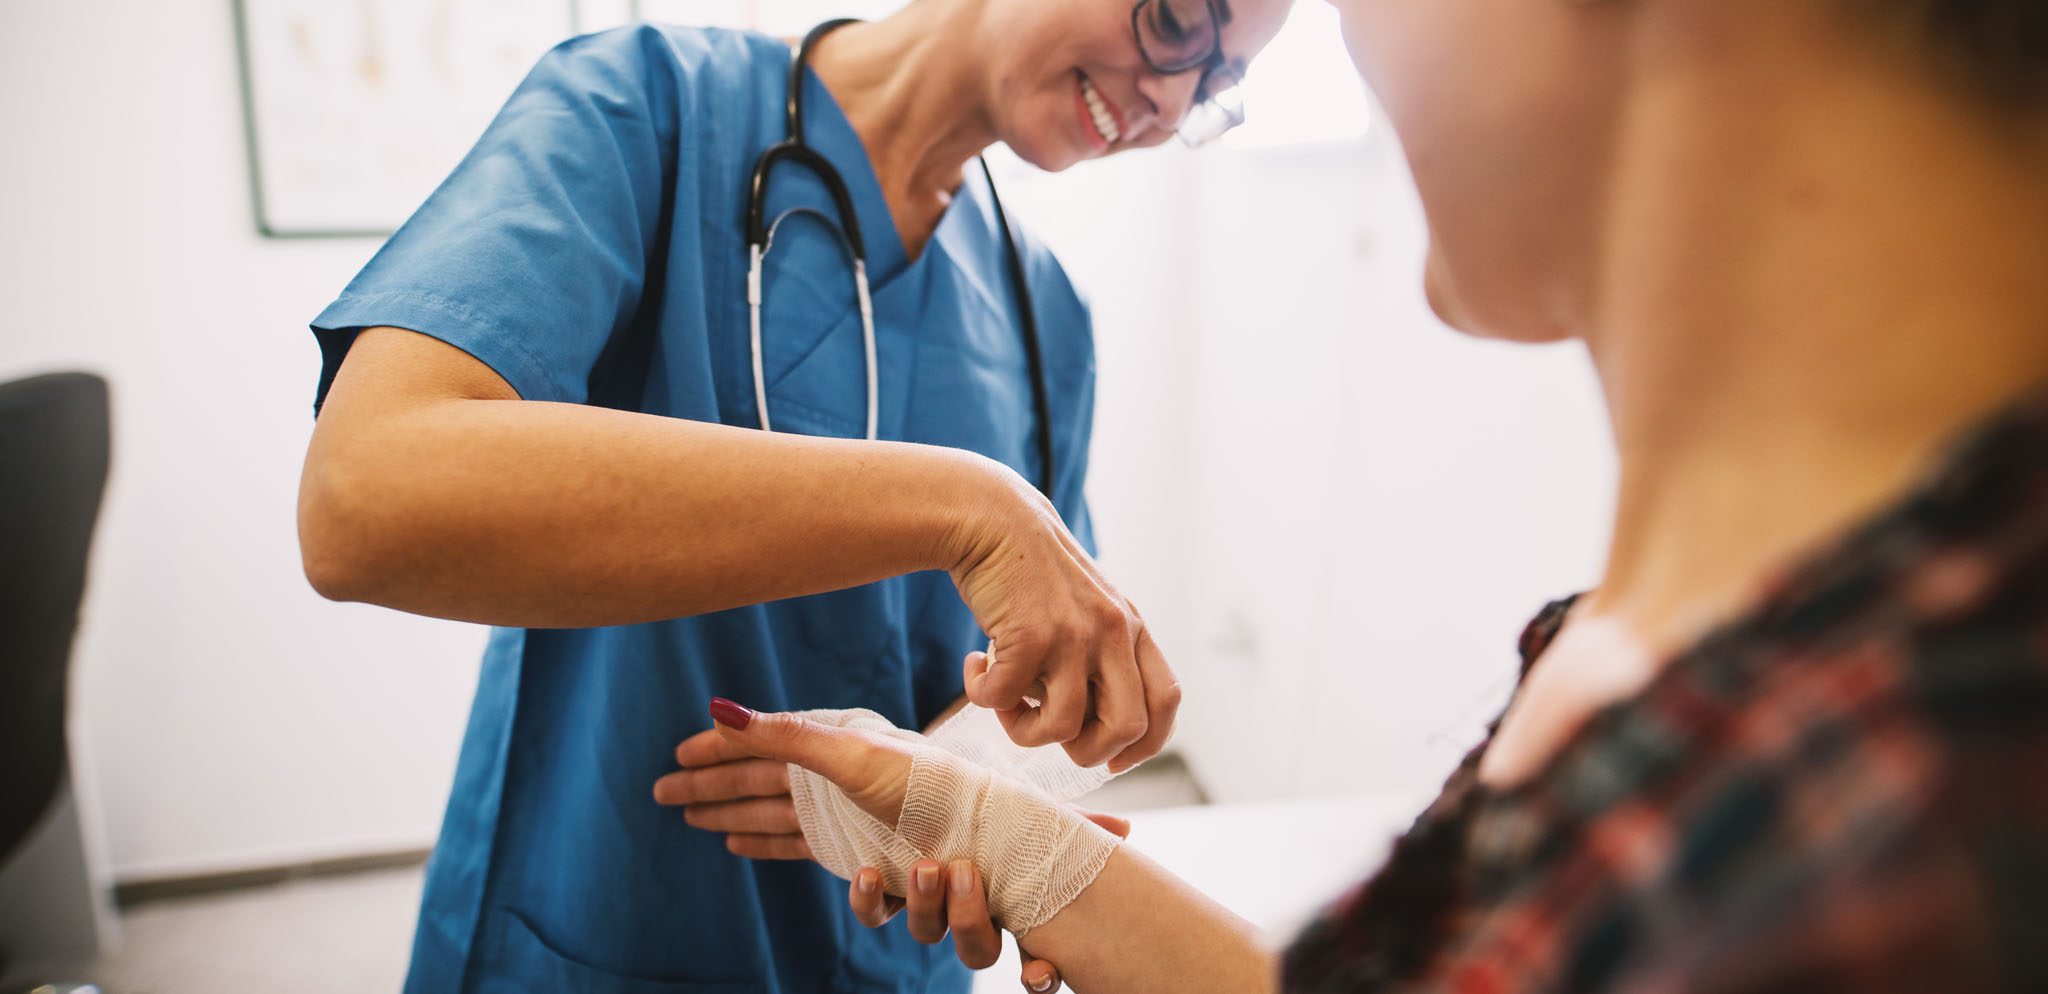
(730, 715)
(1042, 984)
(866, 883)
(928, 879)
(963, 879)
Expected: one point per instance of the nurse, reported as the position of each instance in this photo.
(541, 409)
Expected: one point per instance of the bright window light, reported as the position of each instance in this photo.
(1303, 88)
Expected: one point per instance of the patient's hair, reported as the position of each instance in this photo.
(1998, 48)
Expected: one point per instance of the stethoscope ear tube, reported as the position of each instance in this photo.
(1034, 354)
(803, 155)
(755, 255)
(761, 235)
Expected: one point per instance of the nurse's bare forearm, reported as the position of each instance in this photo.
(519, 513)
(1139, 928)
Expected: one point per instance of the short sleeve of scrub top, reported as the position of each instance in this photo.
(536, 248)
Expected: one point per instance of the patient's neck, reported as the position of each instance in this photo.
(1817, 274)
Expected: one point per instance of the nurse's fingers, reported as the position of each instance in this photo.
(1118, 717)
(762, 815)
(708, 748)
(724, 782)
(1162, 704)
(974, 675)
(768, 846)
(1000, 679)
(1059, 719)
(975, 939)
(927, 902)
(975, 670)
(872, 907)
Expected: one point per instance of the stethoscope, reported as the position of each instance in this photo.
(761, 236)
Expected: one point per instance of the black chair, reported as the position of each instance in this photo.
(53, 470)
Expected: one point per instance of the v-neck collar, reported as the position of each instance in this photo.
(831, 133)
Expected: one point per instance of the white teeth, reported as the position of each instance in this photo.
(1098, 110)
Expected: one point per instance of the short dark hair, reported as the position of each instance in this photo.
(1999, 47)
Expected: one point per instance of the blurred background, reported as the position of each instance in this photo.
(1335, 513)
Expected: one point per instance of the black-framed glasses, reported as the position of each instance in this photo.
(1179, 36)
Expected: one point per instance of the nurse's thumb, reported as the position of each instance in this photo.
(790, 738)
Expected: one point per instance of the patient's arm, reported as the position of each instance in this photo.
(1139, 928)
(1136, 929)
(722, 788)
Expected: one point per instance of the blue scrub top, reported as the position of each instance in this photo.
(590, 250)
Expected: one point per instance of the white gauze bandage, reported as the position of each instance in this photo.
(978, 797)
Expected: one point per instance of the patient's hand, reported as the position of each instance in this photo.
(735, 780)
(950, 898)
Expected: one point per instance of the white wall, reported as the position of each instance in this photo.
(1380, 503)
(1336, 513)
(228, 715)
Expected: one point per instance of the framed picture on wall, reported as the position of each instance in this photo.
(356, 109)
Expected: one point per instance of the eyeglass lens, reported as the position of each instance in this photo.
(1177, 35)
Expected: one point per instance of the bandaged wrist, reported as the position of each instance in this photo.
(1036, 855)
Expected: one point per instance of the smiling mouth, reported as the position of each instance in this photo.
(1102, 119)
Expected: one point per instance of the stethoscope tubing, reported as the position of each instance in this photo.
(761, 237)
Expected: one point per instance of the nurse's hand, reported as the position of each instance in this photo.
(1062, 635)
(723, 788)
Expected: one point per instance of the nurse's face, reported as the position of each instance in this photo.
(1053, 58)
(1506, 112)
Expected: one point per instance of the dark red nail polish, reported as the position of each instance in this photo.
(731, 715)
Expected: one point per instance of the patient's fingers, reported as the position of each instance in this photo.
(927, 902)
(724, 782)
(975, 939)
(872, 907)
(768, 846)
(708, 748)
(1113, 824)
(757, 815)
(841, 755)
(1039, 977)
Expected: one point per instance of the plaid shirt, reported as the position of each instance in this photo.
(1845, 789)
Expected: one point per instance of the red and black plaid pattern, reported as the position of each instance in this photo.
(1844, 790)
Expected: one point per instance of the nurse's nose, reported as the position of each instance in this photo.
(1169, 98)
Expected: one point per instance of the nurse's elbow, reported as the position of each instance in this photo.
(329, 576)
(337, 529)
